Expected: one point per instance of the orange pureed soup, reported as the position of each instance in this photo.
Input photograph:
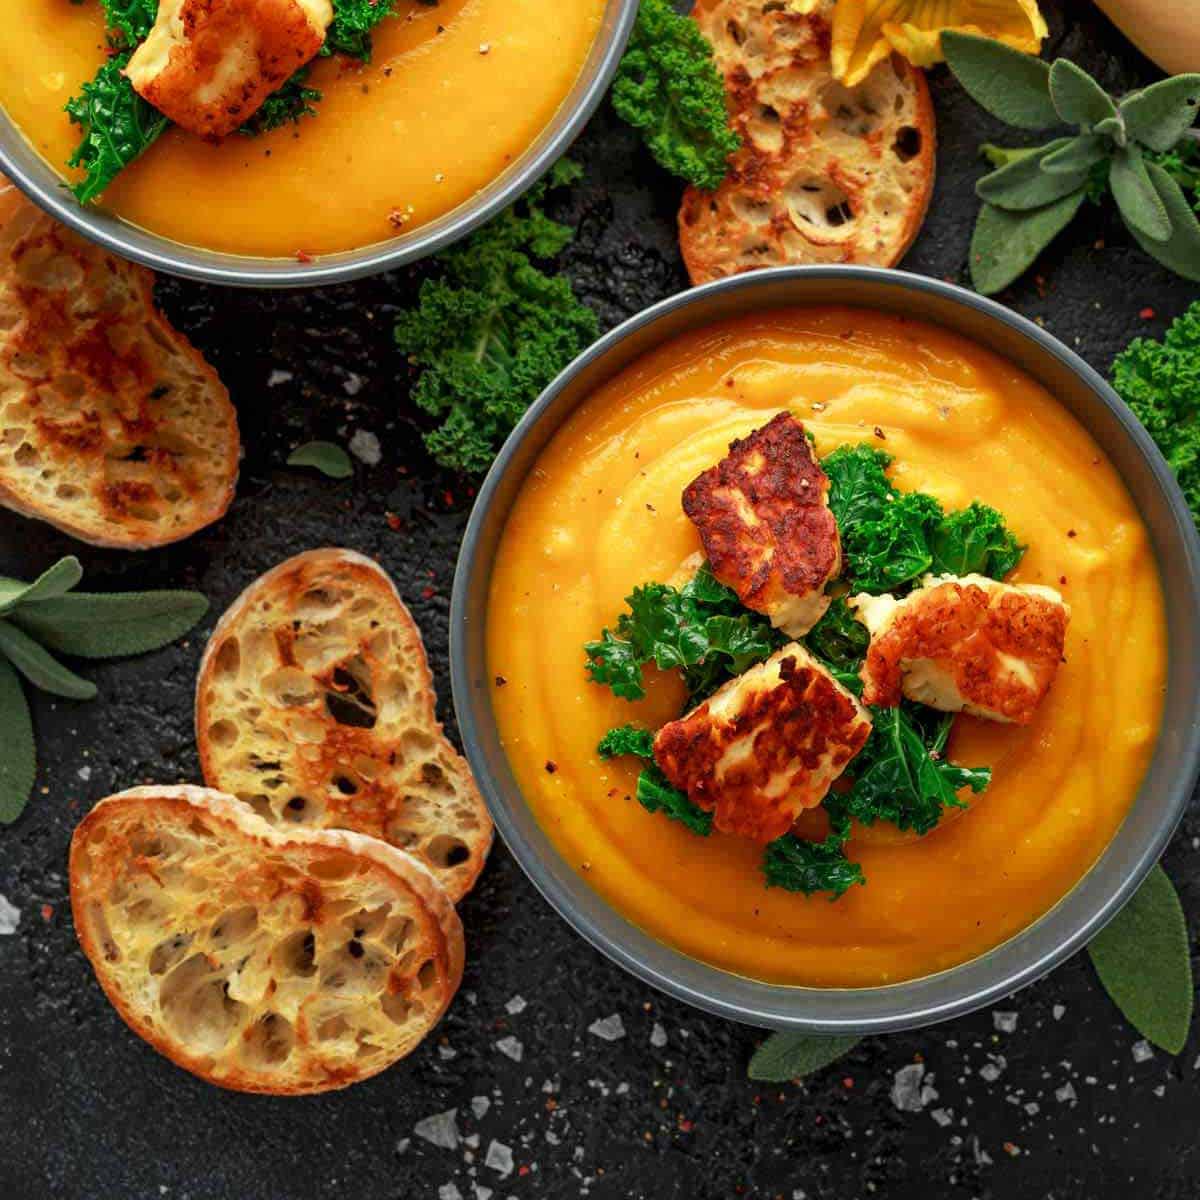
(601, 514)
(453, 94)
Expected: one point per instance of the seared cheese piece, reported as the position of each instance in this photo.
(764, 519)
(766, 745)
(965, 644)
(210, 64)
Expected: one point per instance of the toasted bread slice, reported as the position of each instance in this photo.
(112, 426)
(264, 960)
(825, 173)
(315, 706)
(210, 64)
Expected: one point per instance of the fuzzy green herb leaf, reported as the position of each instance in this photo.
(1078, 98)
(1142, 958)
(1160, 115)
(111, 625)
(18, 762)
(327, 457)
(40, 667)
(1024, 184)
(1141, 208)
(1079, 155)
(117, 124)
(1160, 381)
(1006, 244)
(655, 794)
(1012, 86)
(1180, 252)
(787, 1056)
(55, 581)
(669, 89)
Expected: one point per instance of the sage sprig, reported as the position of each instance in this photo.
(785, 1056)
(47, 617)
(1125, 147)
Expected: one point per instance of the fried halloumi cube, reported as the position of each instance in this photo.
(965, 644)
(766, 745)
(764, 519)
(210, 64)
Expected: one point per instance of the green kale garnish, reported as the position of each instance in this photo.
(129, 21)
(668, 87)
(494, 330)
(295, 99)
(799, 865)
(118, 125)
(839, 639)
(701, 628)
(1160, 381)
(891, 538)
(627, 739)
(353, 20)
(654, 792)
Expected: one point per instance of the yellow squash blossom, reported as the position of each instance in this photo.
(866, 31)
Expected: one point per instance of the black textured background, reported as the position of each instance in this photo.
(1063, 1108)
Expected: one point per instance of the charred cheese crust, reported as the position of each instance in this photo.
(764, 519)
(972, 644)
(210, 64)
(766, 745)
(825, 173)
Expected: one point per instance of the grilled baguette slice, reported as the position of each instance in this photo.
(112, 426)
(315, 706)
(825, 173)
(263, 960)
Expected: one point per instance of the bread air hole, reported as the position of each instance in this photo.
(447, 851)
(233, 927)
(102, 933)
(397, 1007)
(167, 953)
(197, 1008)
(301, 810)
(223, 734)
(268, 1042)
(296, 955)
(289, 687)
(818, 204)
(907, 144)
(350, 700)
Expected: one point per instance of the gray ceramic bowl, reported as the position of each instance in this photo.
(43, 185)
(1169, 780)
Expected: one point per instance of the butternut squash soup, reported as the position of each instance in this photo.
(453, 94)
(600, 514)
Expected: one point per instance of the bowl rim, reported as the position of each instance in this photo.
(632, 947)
(198, 263)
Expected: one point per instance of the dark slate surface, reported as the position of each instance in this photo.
(1057, 1107)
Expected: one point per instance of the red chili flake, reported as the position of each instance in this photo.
(880, 434)
(551, 766)
(303, 256)
(47, 911)
(448, 498)
(1071, 533)
(522, 1170)
(428, 593)
(686, 1126)
(500, 681)
(1062, 579)
(1011, 1148)
(1147, 313)
(847, 1083)
(394, 522)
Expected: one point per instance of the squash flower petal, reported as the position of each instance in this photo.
(867, 31)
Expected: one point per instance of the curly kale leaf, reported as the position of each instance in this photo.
(1160, 381)
(118, 126)
(701, 628)
(655, 794)
(799, 865)
(669, 89)
(294, 100)
(891, 538)
(627, 739)
(839, 639)
(493, 331)
(353, 21)
(129, 21)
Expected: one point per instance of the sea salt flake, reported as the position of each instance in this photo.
(1142, 1051)
(84, 773)
(1058, 1011)
(483, 1193)
(479, 1106)
(10, 916)
(658, 1036)
(518, 1004)
(1033, 1108)
(1005, 1022)
(991, 1072)
(499, 1158)
(440, 1130)
(449, 1191)
(446, 1053)
(610, 1029)
(512, 1047)
(277, 377)
(365, 446)
(906, 1088)
(943, 1116)
(1066, 1093)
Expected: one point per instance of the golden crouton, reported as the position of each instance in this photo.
(766, 745)
(965, 644)
(764, 518)
(210, 64)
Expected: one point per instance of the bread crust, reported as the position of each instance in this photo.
(162, 803)
(117, 431)
(825, 173)
(432, 782)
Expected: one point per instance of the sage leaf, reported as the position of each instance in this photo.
(1078, 98)
(785, 1056)
(40, 667)
(1141, 208)
(1143, 960)
(87, 625)
(1005, 244)
(55, 581)
(1181, 251)
(1113, 127)
(1001, 156)
(1023, 185)
(18, 762)
(1158, 116)
(331, 460)
(1079, 154)
(1012, 86)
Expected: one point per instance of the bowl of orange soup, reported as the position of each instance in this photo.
(974, 404)
(461, 107)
